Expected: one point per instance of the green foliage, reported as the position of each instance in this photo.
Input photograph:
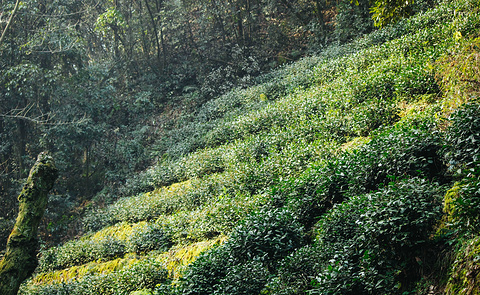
(312, 193)
(368, 244)
(296, 272)
(111, 18)
(247, 278)
(463, 140)
(266, 236)
(458, 70)
(392, 153)
(464, 206)
(142, 238)
(390, 11)
(210, 220)
(148, 238)
(143, 274)
(463, 274)
(243, 263)
(352, 20)
(284, 145)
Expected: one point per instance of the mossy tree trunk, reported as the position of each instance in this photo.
(20, 259)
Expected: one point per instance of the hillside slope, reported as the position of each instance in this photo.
(354, 171)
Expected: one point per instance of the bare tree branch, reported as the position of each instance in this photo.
(42, 119)
(9, 21)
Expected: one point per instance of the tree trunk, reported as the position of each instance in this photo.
(155, 30)
(20, 259)
(9, 22)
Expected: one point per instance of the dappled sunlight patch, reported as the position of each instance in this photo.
(213, 219)
(121, 231)
(108, 244)
(178, 258)
(354, 144)
(59, 276)
(459, 73)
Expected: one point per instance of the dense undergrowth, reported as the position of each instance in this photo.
(354, 171)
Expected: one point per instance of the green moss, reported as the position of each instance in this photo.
(465, 274)
(451, 196)
(449, 200)
(20, 259)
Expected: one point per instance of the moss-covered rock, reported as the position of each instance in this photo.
(20, 258)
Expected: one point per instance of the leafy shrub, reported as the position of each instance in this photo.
(370, 244)
(147, 238)
(377, 113)
(143, 274)
(243, 263)
(388, 228)
(463, 206)
(463, 140)
(142, 237)
(248, 278)
(166, 200)
(312, 193)
(211, 220)
(204, 274)
(266, 236)
(416, 80)
(393, 152)
(296, 273)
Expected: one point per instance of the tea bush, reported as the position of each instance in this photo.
(394, 152)
(147, 206)
(204, 274)
(251, 166)
(148, 238)
(266, 236)
(463, 140)
(139, 238)
(211, 220)
(312, 193)
(143, 274)
(388, 228)
(249, 278)
(244, 262)
(368, 244)
(391, 153)
(296, 272)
